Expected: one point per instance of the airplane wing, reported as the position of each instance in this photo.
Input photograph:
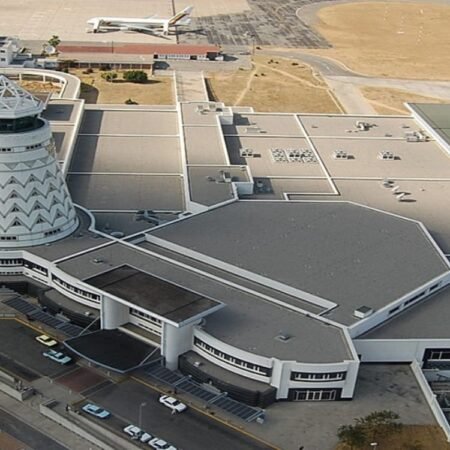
(143, 29)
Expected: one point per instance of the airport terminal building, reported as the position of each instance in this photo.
(266, 254)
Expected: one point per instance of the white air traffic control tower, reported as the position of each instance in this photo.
(35, 205)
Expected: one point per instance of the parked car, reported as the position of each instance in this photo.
(172, 403)
(96, 411)
(160, 444)
(46, 340)
(133, 431)
(145, 437)
(58, 357)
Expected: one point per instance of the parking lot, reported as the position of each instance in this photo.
(271, 22)
(22, 354)
(189, 429)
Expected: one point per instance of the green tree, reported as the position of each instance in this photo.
(135, 76)
(352, 435)
(109, 76)
(54, 41)
(380, 423)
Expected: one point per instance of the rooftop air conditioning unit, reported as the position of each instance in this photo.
(197, 363)
(362, 312)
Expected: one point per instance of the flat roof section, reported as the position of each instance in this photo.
(254, 325)
(345, 126)
(129, 121)
(151, 293)
(204, 145)
(428, 319)
(112, 349)
(294, 188)
(198, 113)
(275, 156)
(424, 201)
(131, 154)
(209, 185)
(62, 110)
(127, 192)
(437, 116)
(82, 239)
(61, 135)
(345, 253)
(412, 159)
(127, 223)
(247, 124)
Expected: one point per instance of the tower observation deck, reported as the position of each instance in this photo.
(35, 204)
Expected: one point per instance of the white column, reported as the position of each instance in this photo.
(113, 314)
(175, 342)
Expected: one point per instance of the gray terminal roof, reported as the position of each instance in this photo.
(249, 322)
(428, 319)
(152, 293)
(339, 251)
(437, 116)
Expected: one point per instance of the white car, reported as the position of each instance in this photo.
(172, 403)
(133, 431)
(160, 444)
(58, 357)
(96, 411)
(46, 340)
(145, 437)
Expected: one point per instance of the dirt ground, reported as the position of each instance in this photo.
(391, 101)
(274, 84)
(38, 86)
(411, 437)
(94, 89)
(389, 39)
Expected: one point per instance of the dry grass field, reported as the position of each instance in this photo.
(411, 437)
(94, 89)
(391, 101)
(389, 39)
(274, 84)
(39, 86)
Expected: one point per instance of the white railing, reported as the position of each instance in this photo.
(431, 398)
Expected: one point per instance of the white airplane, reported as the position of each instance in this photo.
(151, 24)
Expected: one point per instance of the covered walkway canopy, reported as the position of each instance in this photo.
(114, 350)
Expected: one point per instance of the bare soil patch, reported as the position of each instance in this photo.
(94, 89)
(411, 437)
(391, 101)
(274, 84)
(389, 39)
(39, 86)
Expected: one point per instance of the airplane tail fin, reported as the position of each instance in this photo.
(182, 17)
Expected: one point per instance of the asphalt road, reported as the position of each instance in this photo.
(22, 354)
(27, 434)
(326, 66)
(188, 430)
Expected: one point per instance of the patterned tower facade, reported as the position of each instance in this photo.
(35, 205)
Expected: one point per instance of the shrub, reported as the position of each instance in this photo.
(135, 76)
(109, 76)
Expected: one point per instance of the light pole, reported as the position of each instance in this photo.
(374, 445)
(253, 38)
(140, 414)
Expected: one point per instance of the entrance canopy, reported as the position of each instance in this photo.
(114, 350)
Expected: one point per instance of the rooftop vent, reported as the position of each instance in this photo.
(362, 312)
(283, 337)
